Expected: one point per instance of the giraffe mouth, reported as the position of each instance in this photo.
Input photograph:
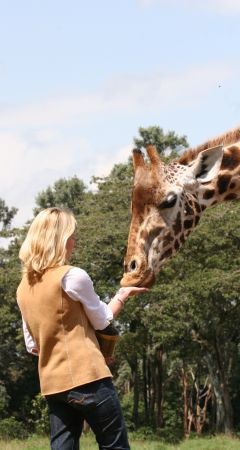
(144, 280)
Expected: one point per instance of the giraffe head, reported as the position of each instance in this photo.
(167, 202)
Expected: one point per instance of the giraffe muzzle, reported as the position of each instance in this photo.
(137, 274)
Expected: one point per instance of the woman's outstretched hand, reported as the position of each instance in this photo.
(131, 290)
(122, 295)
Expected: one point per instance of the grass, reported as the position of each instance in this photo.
(88, 443)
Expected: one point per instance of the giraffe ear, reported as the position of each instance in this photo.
(207, 164)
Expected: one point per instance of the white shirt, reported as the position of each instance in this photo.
(79, 287)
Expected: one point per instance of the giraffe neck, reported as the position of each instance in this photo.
(227, 185)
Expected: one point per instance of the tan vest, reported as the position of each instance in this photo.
(69, 354)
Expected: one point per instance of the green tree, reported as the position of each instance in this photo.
(162, 141)
(68, 193)
(16, 374)
(198, 306)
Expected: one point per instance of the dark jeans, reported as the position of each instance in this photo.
(95, 402)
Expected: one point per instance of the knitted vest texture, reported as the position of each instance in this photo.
(69, 354)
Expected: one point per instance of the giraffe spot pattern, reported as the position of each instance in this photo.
(231, 158)
(223, 182)
(167, 254)
(182, 238)
(143, 234)
(231, 196)
(153, 234)
(208, 194)
(188, 224)
(197, 218)
(177, 227)
(197, 207)
(176, 245)
(167, 240)
(188, 208)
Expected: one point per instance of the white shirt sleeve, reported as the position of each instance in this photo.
(31, 345)
(79, 286)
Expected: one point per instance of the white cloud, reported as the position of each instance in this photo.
(103, 165)
(31, 162)
(164, 91)
(225, 7)
(120, 94)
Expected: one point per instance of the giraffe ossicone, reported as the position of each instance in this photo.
(169, 199)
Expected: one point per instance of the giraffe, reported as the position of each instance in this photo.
(169, 199)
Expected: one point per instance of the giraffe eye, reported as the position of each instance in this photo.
(170, 201)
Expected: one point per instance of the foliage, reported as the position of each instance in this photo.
(18, 376)
(155, 135)
(39, 415)
(6, 216)
(4, 402)
(64, 193)
(10, 428)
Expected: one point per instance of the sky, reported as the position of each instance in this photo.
(78, 79)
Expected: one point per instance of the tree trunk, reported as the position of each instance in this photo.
(152, 390)
(186, 430)
(135, 380)
(159, 389)
(224, 411)
(145, 389)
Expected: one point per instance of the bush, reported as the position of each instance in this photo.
(39, 415)
(11, 428)
(145, 434)
(4, 402)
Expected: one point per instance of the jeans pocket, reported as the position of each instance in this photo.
(81, 401)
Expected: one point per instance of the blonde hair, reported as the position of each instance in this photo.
(45, 244)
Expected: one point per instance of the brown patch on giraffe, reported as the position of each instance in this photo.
(182, 238)
(232, 185)
(231, 158)
(153, 234)
(208, 194)
(150, 238)
(197, 207)
(197, 218)
(188, 224)
(188, 208)
(177, 227)
(143, 234)
(231, 196)
(167, 254)
(223, 182)
(167, 240)
(176, 245)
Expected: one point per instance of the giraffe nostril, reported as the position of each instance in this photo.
(133, 266)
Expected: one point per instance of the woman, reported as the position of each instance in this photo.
(61, 312)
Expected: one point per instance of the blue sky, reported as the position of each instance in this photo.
(78, 78)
